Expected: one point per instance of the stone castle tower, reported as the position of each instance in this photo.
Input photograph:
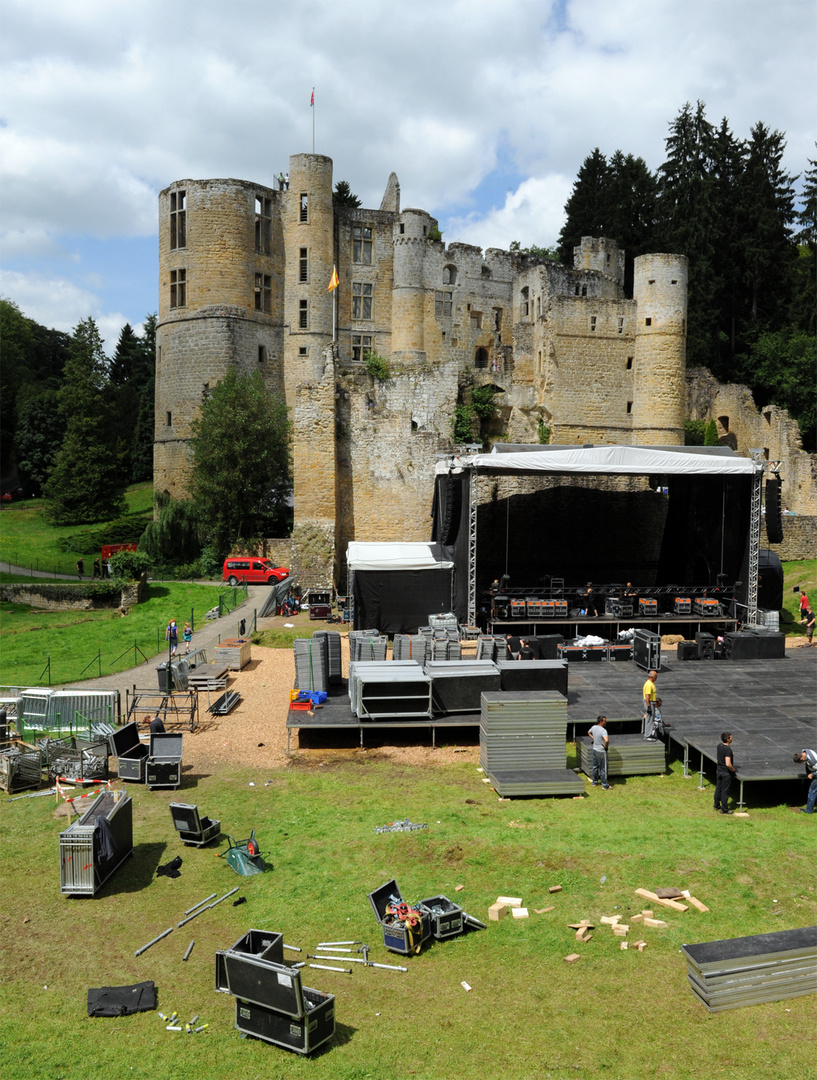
(244, 271)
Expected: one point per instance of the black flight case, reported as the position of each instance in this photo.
(397, 935)
(131, 754)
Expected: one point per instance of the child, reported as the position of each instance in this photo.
(187, 634)
(172, 636)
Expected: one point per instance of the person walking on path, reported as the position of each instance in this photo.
(649, 695)
(172, 636)
(724, 773)
(601, 744)
(808, 619)
(187, 634)
(80, 568)
(809, 757)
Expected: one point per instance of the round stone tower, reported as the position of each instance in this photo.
(659, 357)
(220, 305)
(309, 255)
(408, 298)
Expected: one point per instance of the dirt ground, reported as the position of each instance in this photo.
(255, 733)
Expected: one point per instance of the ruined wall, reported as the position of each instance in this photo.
(799, 538)
(745, 427)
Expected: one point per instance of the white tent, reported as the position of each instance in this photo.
(610, 460)
(396, 556)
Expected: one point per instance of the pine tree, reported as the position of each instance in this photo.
(87, 481)
(804, 305)
(587, 211)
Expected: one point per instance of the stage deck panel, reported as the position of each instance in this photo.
(628, 755)
(536, 782)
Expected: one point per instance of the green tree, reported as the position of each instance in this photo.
(711, 434)
(783, 366)
(40, 429)
(132, 375)
(173, 536)
(587, 210)
(344, 196)
(804, 305)
(87, 481)
(241, 473)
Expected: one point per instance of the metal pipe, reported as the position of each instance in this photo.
(294, 948)
(193, 916)
(158, 938)
(327, 944)
(349, 959)
(324, 967)
(335, 948)
(199, 904)
(224, 897)
(187, 953)
(388, 967)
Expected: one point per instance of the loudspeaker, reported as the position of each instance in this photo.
(742, 646)
(771, 645)
(706, 646)
(770, 585)
(774, 519)
(548, 645)
(687, 650)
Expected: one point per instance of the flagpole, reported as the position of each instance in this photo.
(313, 121)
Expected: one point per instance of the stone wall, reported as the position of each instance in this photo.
(799, 538)
(58, 597)
(745, 427)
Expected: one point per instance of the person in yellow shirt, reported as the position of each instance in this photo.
(649, 695)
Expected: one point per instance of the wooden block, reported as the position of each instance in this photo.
(697, 904)
(581, 933)
(674, 904)
(542, 910)
(458, 888)
(485, 780)
(610, 920)
(640, 945)
(555, 888)
(572, 958)
(620, 931)
(646, 913)
(636, 918)
(497, 912)
(519, 912)
(624, 945)
(511, 901)
(655, 922)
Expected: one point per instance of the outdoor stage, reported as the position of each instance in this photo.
(768, 705)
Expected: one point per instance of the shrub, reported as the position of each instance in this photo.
(377, 366)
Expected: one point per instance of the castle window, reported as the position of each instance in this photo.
(648, 322)
(629, 363)
(303, 314)
(652, 281)
(442, 304)
(303, 351)
(476, 320)
(724, 423)
(449, 275)
(178, 219)
(674, 281)
(402, 229)
(178, 288)
(497, 319)
(621, 324)
(577, 289)
(629, 407)
(304, 206)
(169, 416)
(592, 324)
(263, 224)
(584, 290)
(525, 306)
(361, 344)
(303, 269)
(262, 354)
(362, 244)
(538, 306)
(361, 300)
(263, 292)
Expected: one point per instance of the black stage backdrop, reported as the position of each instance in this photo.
(400, 601)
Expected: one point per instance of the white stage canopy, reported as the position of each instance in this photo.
(611, 460)
(396, 556)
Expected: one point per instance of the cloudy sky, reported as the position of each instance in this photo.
(485, 109)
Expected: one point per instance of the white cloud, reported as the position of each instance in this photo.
(533, 214)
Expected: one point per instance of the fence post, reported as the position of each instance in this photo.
(192, 620)
(99, 661)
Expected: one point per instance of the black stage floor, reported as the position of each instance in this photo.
(770, 706)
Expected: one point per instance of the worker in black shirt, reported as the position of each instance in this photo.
(157, 727)
(724, 772)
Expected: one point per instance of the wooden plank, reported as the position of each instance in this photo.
(673, 904)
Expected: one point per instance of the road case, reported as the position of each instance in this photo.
(683, 605)
(302, 1034)
(131, 754)
(647, 650)
(647, 606)
(447, 918)
(399, 935)
(193, 830)
(96, 844)
(164, 767)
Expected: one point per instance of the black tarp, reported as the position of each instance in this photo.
(397, 601)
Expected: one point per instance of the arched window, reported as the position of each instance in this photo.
(481, 358)
(449, 275)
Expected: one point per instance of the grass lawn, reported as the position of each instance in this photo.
(803, 574)
(529, 1015)
(26, 539)
(73, 639)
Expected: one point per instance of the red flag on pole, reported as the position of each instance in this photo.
(312, 99)
(334, 282)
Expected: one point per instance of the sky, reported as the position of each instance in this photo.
(485, 109)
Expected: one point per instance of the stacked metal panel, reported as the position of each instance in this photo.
(522, 743)
(751, 970)
(40, 709)
(628, 755)
(411, 647)
(20, 767)
(533, 675)
(236, 653)
(311, 664)
(389, 690)
(446, 621)
(367, 645)
(85, 863)
(211, 676)
(458, 685)
(333, 655)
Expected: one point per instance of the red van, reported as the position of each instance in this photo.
(253, 570)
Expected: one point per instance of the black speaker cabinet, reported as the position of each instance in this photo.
(774, 519)
(771, 645)
(687, 650)
(741, 646)
(706, 646)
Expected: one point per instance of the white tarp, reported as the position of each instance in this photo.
(396, 556)
(612, 460)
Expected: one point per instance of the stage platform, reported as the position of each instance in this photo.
(768, 705)
(608, 627)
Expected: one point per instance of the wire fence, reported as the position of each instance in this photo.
(48, 670)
